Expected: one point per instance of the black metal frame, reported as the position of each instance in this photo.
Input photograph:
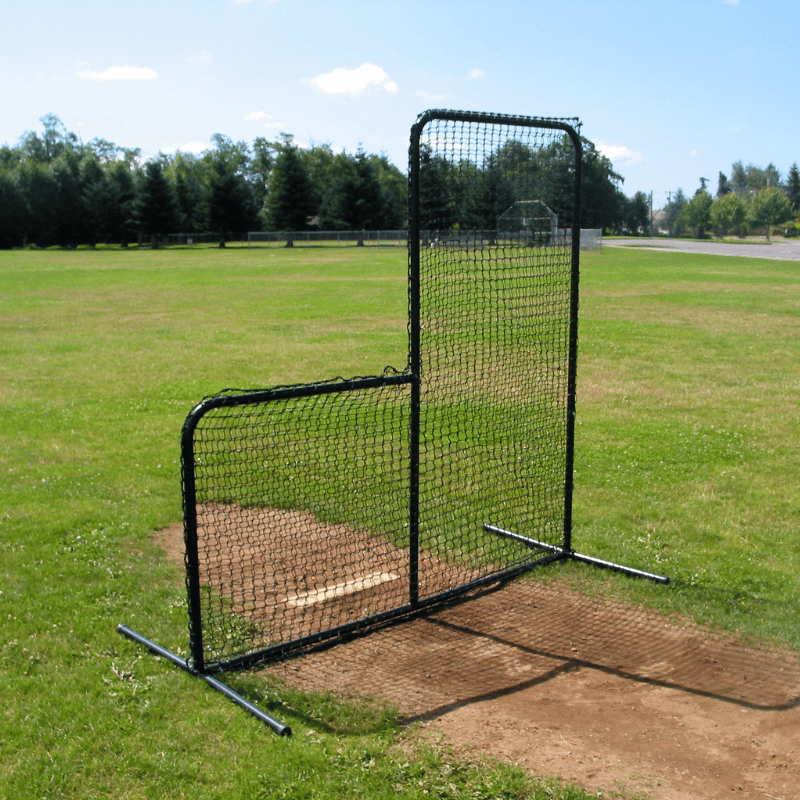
(542, 552)
(565, 550)
(190, 519)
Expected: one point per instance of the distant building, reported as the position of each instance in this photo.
(659, 221)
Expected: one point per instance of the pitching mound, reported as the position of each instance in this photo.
(288, 572)
(597, 692)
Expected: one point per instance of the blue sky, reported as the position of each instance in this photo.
(670, 90)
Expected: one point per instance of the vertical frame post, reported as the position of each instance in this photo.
(414, 364)
(190, 539)
(569, 466)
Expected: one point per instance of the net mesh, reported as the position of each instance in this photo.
(313, 509)
(494, 326)
(301, 503)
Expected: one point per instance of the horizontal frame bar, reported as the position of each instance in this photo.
(279, 727)
(226, 400)
(571, 554)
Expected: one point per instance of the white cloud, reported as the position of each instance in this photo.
(619, 153)
(434, 98)
(476, 74)
(267, 119)
(442, 143)
(202, 57)
(355, 81)
(120, 74)
(730, 2)
(189, 147)
(693, 153)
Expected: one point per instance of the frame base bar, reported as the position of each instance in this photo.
(634, 573)
(251, 708)
(597, 562)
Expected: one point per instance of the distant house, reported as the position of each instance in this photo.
(659, 221)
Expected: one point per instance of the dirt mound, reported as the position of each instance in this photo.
(597, 692)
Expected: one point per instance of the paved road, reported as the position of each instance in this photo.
(781, 249)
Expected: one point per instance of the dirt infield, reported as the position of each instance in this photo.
(602, 694)
(287, 572)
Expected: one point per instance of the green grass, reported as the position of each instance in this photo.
(686, 463)
(687, 443)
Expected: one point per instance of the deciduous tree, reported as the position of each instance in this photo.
(728, 214)
(698, 213)
(601, 196)
(769, 207)
(638, 213)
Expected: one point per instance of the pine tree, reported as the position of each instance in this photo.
(11, 212)
(289, 201)
(97, 200)
(367, 209)
(123, 193)
(354, 198)
(230, 205)
(154, 207)
(793, 186)
(723, 185)
(674, 211)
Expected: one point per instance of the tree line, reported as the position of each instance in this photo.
(57, 190)
(753, 198)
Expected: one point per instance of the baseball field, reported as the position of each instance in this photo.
(686, 464)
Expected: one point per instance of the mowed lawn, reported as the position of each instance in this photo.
(688, 443)
(686, 464)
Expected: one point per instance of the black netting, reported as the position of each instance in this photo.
(313, 510)
(495, 292)
(301, 507)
